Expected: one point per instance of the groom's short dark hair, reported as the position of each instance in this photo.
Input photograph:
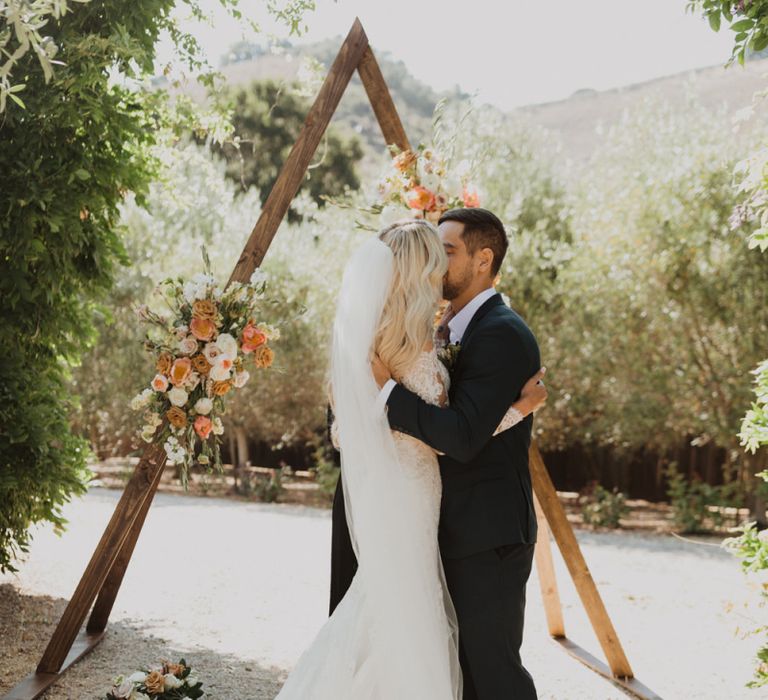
(482, 229)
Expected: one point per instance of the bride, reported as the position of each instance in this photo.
(394, 636)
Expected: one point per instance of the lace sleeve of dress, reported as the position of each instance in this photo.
(335, 434)
(511, 417)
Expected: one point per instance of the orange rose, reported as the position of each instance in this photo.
(180, 371)
(203, 427)
(164, 362)
(471, 199)
(263, 357)
(175, 669)
(252, 338)
(204, 308)
(202, 328)
(221, 388)
(201, 365)
(155, 682)
(176, 416)
(404, 160)
(421, 198)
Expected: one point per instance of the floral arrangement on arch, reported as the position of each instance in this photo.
(166, 681)
(422, 182)
(202, 350)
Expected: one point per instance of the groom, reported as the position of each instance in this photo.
(487, 523)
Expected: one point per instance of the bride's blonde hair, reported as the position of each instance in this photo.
(420, 263)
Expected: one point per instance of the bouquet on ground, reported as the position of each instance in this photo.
(422, 182)
(164, 682)
(203, 350)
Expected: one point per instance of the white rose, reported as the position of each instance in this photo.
(219, 372)
(141, 400)
(228, 345)
(192, 681)
(218, 426)
(177, 396)
(123, 691)
(192, 381)
(172, 682)
(430, 181)
(241, 378)
(258, 277)
(138, 677)
(204, 406)
(188, 345)
(211, 352)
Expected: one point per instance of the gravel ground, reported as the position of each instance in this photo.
(240, 589)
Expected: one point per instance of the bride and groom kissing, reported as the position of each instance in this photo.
(434, 524)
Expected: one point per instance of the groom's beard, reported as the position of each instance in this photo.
(453, 288)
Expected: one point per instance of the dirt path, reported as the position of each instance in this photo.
(240, 589)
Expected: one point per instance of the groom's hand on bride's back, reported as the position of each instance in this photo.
(381, 372)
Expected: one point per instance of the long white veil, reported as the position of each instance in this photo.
(411, 625)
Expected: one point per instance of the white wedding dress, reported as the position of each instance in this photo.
(394, 635)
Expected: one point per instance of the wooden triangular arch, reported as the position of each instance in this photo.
(101, 580)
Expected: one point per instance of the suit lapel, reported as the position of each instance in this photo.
(491, 303)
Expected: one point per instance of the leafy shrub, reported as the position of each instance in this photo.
(603, 508)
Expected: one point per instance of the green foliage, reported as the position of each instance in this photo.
(697, 505)
(270, 489)
(751, 547)
(267, 119)
(603, 508)
(326, 472)
(68, 158)
(748, 19)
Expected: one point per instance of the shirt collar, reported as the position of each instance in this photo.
(458, 324)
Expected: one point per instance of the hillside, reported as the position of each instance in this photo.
(576, 121)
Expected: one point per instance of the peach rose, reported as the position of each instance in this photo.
(180, 371)
(252, 338)
(155, 682)
(204, 308)
(421, 198)
(264, 357)
(203, 427)
(176, 416)
(202, 328)
(201, 365)
(471, 199)
(221, 388)
(164, 362)
(160, 382)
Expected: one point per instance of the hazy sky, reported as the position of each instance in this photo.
(512, 52)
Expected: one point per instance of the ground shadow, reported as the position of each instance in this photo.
(27, 621)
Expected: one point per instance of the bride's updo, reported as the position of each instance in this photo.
(420, 263)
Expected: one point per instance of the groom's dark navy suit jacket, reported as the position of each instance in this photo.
(487, 496)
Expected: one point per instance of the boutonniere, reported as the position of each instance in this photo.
(448, 354)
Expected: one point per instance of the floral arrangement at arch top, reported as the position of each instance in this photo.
(422, 182)
(202, 351)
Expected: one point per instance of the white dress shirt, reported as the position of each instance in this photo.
(457, 326)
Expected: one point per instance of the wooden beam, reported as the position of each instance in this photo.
(632, 685)
(546, 572)
(139, 488)
(35, 684)
(381, 101)
(577, 566)
(97, 622)
(300, 157)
